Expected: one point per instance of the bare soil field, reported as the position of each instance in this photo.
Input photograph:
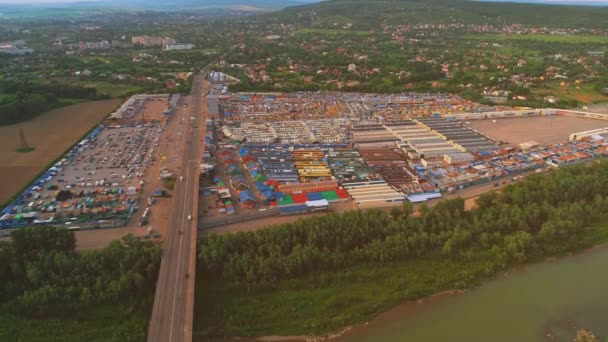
(51, 134)
(152, 110)
(545, 130)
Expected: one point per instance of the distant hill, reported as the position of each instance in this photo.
(365, 14)
(557, 2)
(201, 4)
(82, 8)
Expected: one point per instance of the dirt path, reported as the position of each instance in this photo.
(51, 134)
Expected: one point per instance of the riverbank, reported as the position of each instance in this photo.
(385, 302)
(410, 309)
(317, 276)
(317, 303)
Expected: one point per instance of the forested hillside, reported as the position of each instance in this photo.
(371, 14)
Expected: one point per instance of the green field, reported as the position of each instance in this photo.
(545, 38)
(68, 102)
(586, 92)
(114, 90)
(105, 323)
(332, 20)
(510, 50)
(312, 30)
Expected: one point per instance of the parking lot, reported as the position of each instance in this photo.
(101, 179)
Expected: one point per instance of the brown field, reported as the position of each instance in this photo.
(51, 134)
(543, 129)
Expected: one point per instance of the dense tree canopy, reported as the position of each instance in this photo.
(545, 214)
(42, 273)
(29, 100)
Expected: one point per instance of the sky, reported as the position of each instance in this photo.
(16, 2)
(68, 1)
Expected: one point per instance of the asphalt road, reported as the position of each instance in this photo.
(174, 298)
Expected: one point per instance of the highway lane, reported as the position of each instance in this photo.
(173, 301)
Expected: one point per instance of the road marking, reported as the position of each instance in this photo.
(186, 198)
(181, 236)
(179, 253)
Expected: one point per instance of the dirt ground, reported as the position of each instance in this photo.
(267, 221)
(51, 134)
(545, 130)
(152, 110)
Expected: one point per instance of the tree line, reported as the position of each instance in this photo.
(32, 99)
(542, 215)
(42, 273)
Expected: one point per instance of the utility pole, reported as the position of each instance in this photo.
(24, 144)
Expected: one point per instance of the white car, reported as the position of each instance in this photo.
(189, 217)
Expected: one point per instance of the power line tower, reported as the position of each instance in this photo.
(24, 144)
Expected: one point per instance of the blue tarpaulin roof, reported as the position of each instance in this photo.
(267, 194)
(263, 187)
(239, 179)
(246, 196)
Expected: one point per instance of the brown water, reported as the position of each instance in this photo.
(542, 302)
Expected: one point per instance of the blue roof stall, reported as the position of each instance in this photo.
(314, 196)
(267, 194)
(243, 151)
(246, 196)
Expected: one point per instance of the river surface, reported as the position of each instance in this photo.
(547, 301)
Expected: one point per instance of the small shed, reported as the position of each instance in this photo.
(247, 199)
(321, 204)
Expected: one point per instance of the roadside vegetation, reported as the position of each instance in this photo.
(169, 182)
(320, 274)
(25, 149)
(51, 292)
(23, 100)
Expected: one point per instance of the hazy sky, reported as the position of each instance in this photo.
(245, 1)
(16, 2)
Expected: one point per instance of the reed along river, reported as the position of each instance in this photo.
(547, 301)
